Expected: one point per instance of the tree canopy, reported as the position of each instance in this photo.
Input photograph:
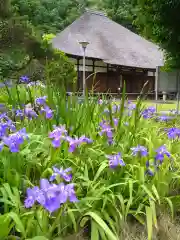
(23, 50)
(159, 20)
(51, 16)
(23, 22)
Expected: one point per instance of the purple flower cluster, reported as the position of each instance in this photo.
(139, 151)
(115, 108)
(131, 106)
(30, 113)
(148, 112)
(59, 134)
(64, 174)
(115, 160)
(24, 79)
(165, 118)
(48, 112)
(149, 170)
(173, 133)
(107, 130)
(161, 152)
(100, 101)
(50, 195)
(76, 142)
(41, 101)
(6, 125)
(14, 140)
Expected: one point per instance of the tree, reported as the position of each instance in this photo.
(51, 16)
(159, 20)
(22, 49)
(121, 11)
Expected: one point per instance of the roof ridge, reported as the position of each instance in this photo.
(95, 12)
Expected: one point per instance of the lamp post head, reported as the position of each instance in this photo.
(84, 44)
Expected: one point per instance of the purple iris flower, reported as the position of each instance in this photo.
(62, 173)
(148, 170)
(30, 113)
(116, 121)
(165, 118)
(100, 101)
(19, 113)
(115, 160)
(48, 111)
(57, 135)
(37, 83)
(41, 100)
(115, 108)
(32, 195)
(161, 152)
(148, 112)
(50, 196)
(3, 116)
(13, 141)
(58, 132)
(11, 125)
(132, 106)
(71, 193)
(107, 130)
(3, 129)
(139, 150)
(173, 133)
(152, 109)
(24, 79)
(5, 126)
(76, 142)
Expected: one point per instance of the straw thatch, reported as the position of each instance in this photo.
(108, 41)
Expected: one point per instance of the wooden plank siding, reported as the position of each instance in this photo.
(107, 78)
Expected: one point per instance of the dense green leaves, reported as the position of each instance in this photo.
(159, 21)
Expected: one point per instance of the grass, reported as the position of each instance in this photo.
(162, 106)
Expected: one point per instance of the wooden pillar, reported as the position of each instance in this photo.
(107, 78)
(157, 82)
(78, 76)
(93, 65)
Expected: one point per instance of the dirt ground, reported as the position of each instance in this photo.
(167, 230)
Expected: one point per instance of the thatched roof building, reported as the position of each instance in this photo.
(109, 42)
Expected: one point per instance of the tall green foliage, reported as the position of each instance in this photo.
(121, 11)
(159, 21)
(52, 16)
(23, 51)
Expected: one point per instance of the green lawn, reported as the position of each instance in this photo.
(162, 106)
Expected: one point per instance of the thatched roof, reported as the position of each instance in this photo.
(108, 41)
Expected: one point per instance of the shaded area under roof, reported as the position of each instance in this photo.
(108, 41)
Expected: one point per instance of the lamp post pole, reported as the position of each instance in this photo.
(84, 46)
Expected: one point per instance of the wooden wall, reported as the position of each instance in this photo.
(109, 78)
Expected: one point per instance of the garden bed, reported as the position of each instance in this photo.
(90, 167)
